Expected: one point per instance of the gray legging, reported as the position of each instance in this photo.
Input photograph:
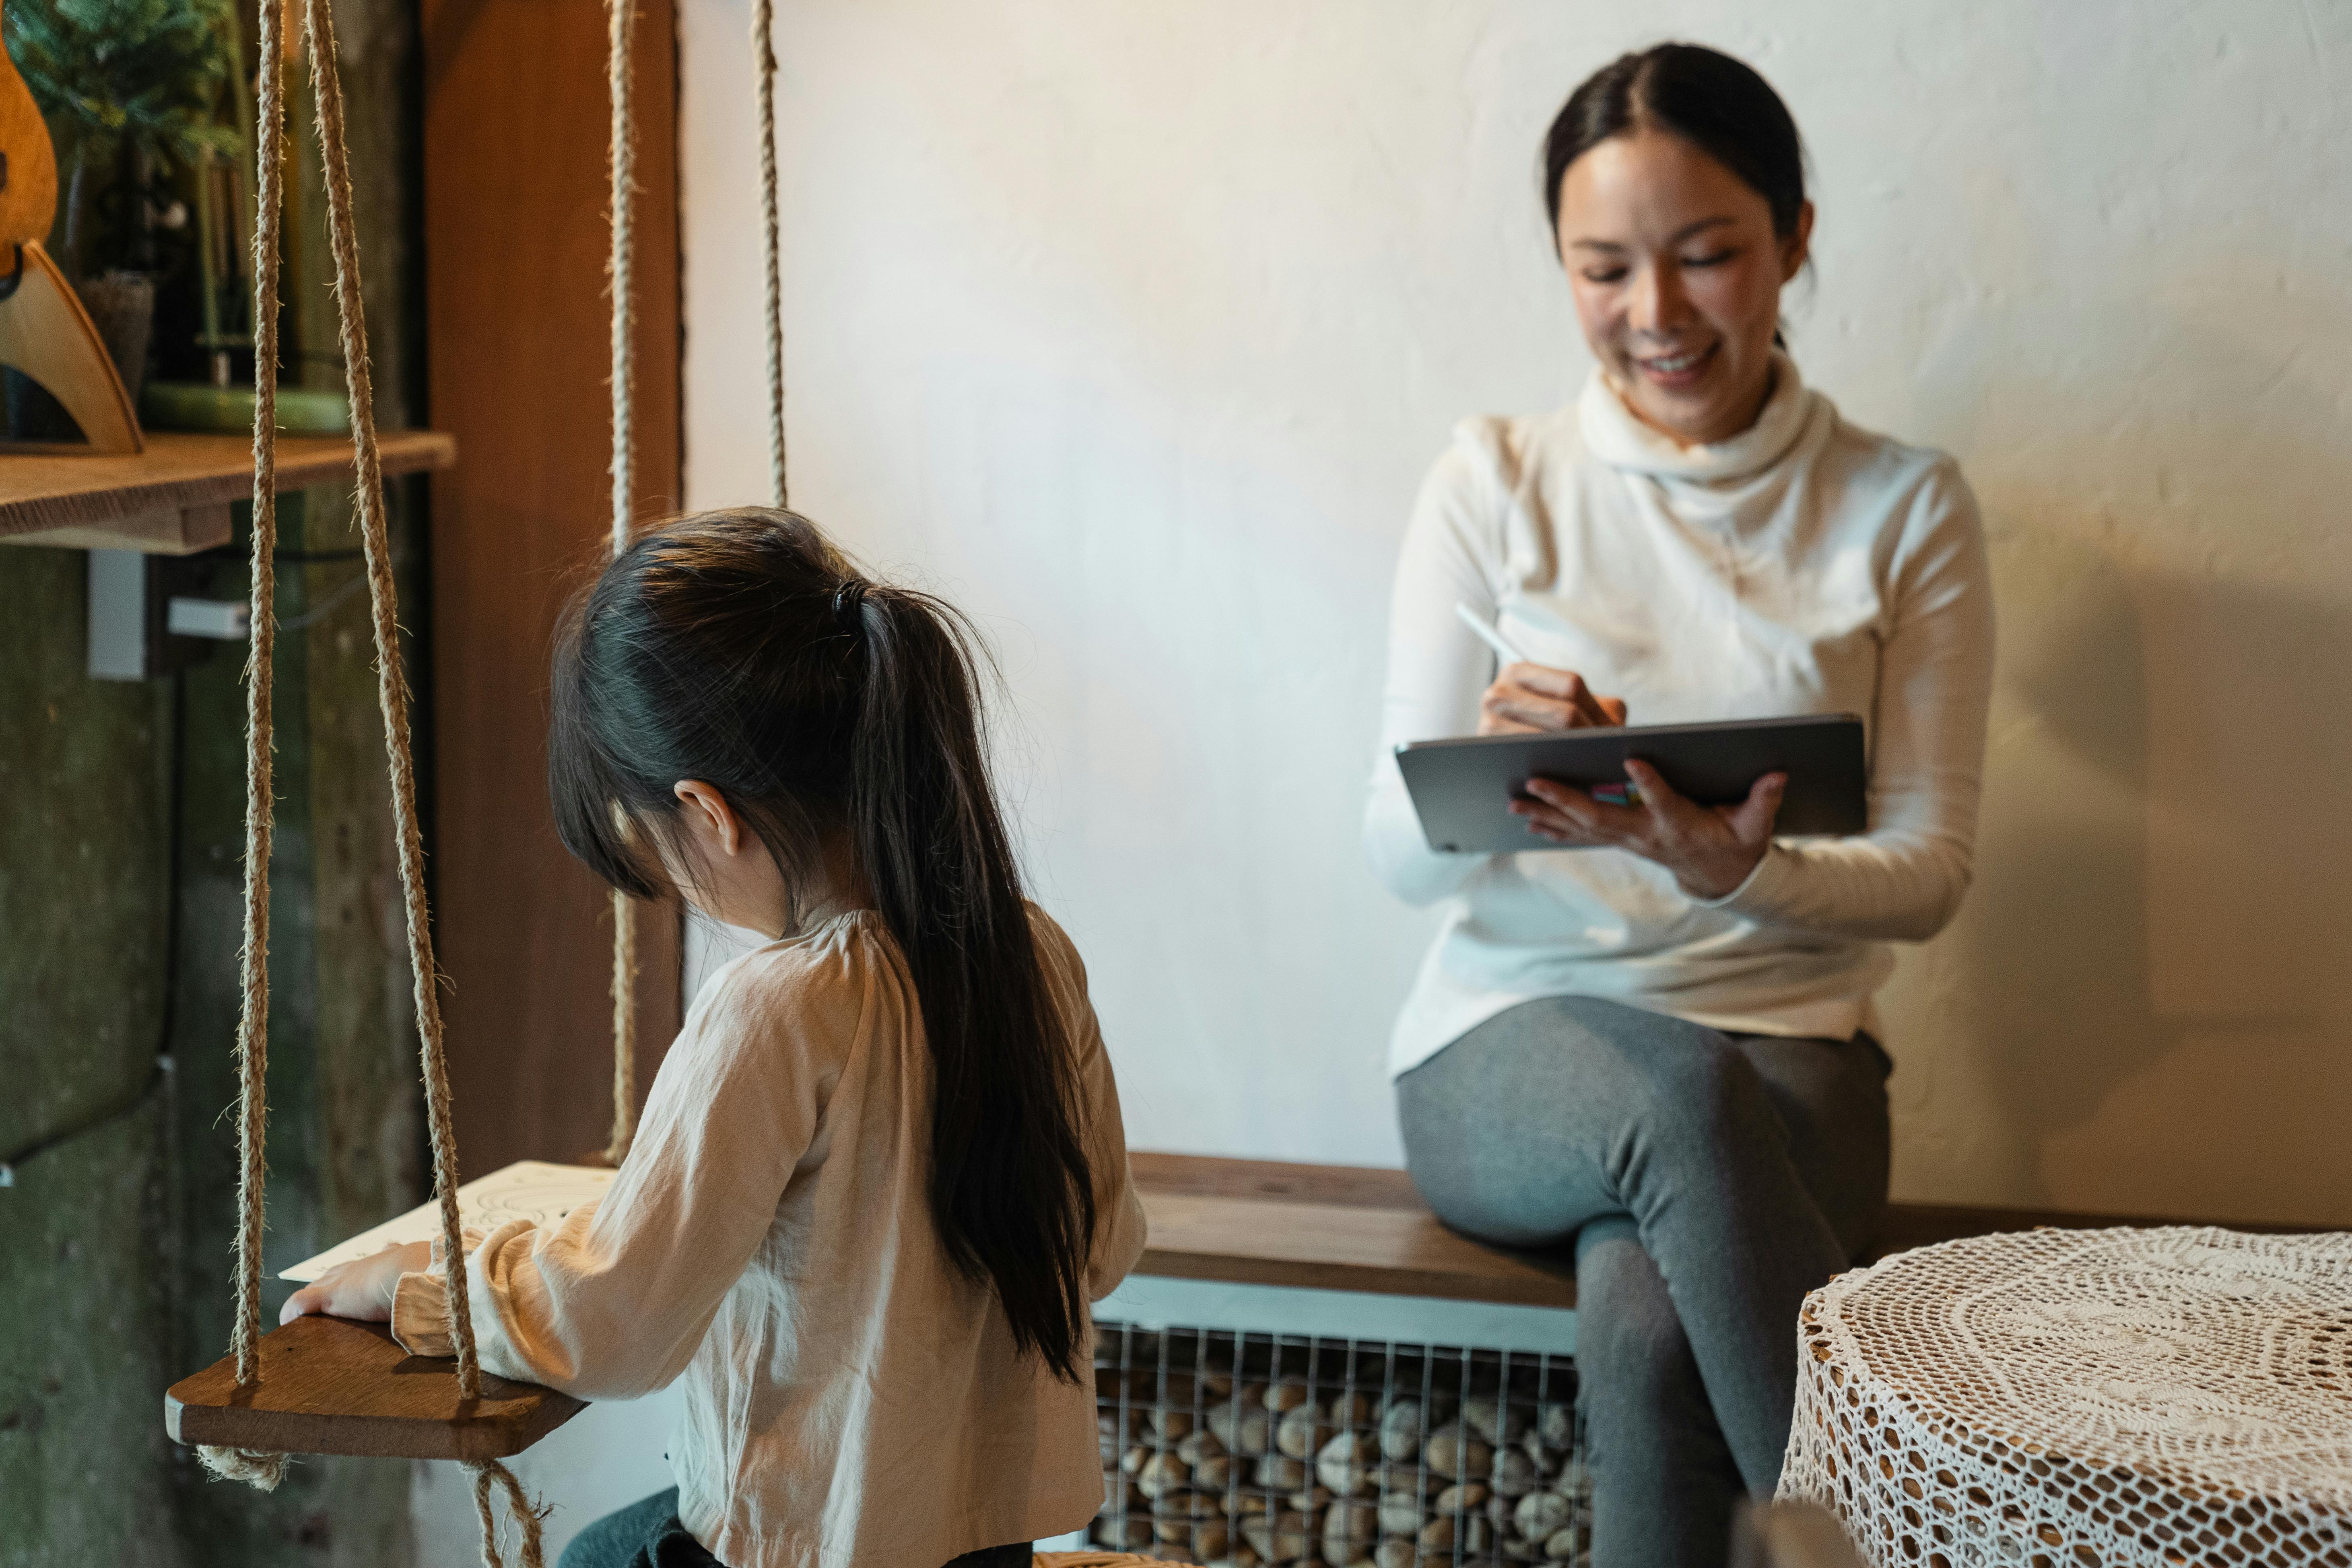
(1709, 1180)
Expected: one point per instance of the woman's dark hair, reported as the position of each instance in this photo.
(1717, 104)
(739, 648)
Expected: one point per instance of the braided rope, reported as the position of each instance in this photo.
(258, 1469)
(621, 19)
(763, 52)
(622, 33)
(392, 693)
(524, 1511)
(625, 1027)
(391, 685)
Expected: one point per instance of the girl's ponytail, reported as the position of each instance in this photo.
(1011, 1191)
(739, 648)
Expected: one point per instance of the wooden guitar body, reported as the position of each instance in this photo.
(28, 165)
(43, 330)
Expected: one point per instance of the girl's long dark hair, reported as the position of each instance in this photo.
(739, 648)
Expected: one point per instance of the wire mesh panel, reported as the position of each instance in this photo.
(1224, 1447)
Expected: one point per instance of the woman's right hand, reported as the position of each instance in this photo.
(1534, 698)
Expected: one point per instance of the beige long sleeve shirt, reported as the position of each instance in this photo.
(851, 1399)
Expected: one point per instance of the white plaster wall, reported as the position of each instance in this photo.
(1132, 327)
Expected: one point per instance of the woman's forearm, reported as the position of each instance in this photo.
(1878, 888)
(1436, 668)
(1400, 852)
(1903, 881)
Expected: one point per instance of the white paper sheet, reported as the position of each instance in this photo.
(528, 1189)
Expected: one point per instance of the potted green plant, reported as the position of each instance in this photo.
(131, 90)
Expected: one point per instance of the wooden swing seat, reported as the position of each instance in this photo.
(330, 1385)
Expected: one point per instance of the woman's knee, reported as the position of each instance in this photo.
(1479, 1163)
(1634, 1359)
(1700, 1099)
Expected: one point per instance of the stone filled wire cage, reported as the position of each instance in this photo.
(1235, 1450)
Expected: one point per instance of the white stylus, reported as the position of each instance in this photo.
(1607, 794)
(1489, 636)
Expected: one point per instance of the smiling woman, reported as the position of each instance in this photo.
(1661, 1045)
(1676, 183)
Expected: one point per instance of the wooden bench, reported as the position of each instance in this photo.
(1357, 1228)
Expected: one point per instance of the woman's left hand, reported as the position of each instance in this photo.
(1711, 849)
(362, 1289)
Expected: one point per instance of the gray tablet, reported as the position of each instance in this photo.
(1462, 789)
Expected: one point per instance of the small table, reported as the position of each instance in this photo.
(2084, 1399)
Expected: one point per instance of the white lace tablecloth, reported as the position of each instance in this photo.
(2084, 1399)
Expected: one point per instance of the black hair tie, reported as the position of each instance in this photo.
(849, 604)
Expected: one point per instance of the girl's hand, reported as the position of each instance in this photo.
(1710, 849)
(362, 1289)
(1534, 698)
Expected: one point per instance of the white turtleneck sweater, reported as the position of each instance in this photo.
(1803, 566)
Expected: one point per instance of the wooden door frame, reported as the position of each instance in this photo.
(516, 334)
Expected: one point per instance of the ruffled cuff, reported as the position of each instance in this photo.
(420, 1305)
(1758, 891)
(420, 1314)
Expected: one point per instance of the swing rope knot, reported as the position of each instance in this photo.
(526, 1514)
(251, 1465)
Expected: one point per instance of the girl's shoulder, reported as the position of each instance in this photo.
(1057, 957)
(1064, 974)
(833, 966)
(816, 977)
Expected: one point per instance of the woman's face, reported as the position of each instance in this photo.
(1677, 279)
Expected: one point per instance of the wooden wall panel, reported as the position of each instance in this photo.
(515, 140)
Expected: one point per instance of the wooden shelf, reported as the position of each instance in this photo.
(330, 1385)
(174, 498)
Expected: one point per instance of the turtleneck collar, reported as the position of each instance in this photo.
(1618, 436)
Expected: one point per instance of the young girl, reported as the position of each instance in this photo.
(881, 1174)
